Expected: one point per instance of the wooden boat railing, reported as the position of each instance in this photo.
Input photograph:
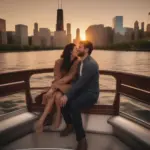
(131, 85)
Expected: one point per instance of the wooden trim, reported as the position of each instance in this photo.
(100, 109)
(46, 87)
(16, 76)
(134, 119)
(12, 88)
(116, 103)
(138, 82)
(12, 114)
(96, 109)
(23, 76)
(28, 95)
(135, 93)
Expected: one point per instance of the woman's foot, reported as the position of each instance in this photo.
(39, 127)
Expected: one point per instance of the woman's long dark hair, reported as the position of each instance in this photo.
(66, 55)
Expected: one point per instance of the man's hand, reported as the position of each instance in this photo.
(63, 101)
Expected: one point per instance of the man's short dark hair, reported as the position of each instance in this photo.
(89, 45)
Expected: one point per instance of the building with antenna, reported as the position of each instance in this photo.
(43, 37)
(61, 38)
(60, 18)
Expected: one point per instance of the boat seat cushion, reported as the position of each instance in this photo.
(133, 130)
(16, 126)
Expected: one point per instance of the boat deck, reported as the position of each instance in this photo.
(53, 140)
(100, 135)
(107, 127)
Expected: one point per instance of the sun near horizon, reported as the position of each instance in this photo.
(83, 36)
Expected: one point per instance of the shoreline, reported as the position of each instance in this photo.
(133, 46)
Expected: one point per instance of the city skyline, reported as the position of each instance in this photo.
(78, 14)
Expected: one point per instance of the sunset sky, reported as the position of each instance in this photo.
(80, 13)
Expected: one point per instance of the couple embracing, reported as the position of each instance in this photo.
(75, 87)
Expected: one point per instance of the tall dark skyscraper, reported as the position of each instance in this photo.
(118, 29)
(60, 19)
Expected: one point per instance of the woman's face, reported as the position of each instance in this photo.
(74, 52)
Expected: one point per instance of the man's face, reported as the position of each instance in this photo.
(81, 50)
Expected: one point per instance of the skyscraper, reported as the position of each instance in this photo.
(136, 30)
(68, 28)
(60, 38)
(96, 34)
(36, 38)
(148, 21)
(148, 28)
(129, 32)
(21, 34)
(118, 24)
(68, 33)
(118, 29)
(142, 26)
(77, 39)
(60, 18)
(36, 28)
(108, 36)
(2, 25)
(3, 34)
(78, 34)
(45, 36)
(10, 37)
(142, 30)
(148, 31)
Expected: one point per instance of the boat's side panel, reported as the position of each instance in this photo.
(131, 133)
(16, 127)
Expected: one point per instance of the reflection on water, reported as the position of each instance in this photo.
(131, 62)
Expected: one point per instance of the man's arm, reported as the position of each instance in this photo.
(88, 71)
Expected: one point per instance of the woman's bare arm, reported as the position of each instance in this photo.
(70, 75)
(57, 71)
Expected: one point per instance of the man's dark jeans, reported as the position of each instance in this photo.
(72, 111)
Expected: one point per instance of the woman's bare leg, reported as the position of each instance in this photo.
(47, 96)
(44, 99)
(47, 109)
(57, 120)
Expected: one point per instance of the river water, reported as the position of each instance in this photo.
(131, 62)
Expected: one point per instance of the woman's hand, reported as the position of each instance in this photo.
(49, 93)
(54, 86)
(61, 81)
